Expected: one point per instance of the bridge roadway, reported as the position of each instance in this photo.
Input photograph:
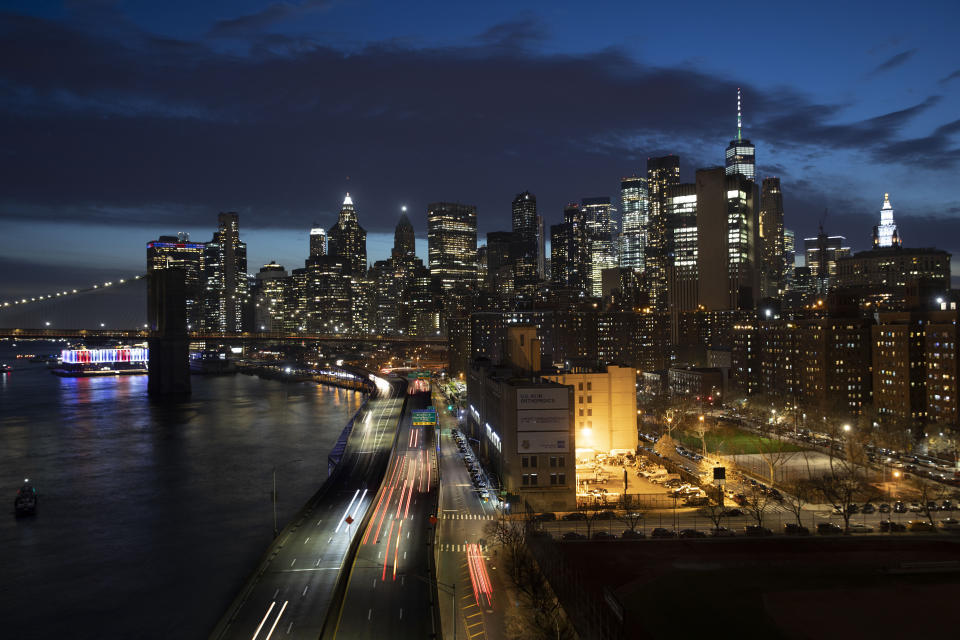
(389, 594)
(291, 591)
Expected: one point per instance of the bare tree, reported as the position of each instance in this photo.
(773, 455)
(757, 503)
(632, 518)
(929, 492)
(715, 510)
(841, 487)
(798, 494)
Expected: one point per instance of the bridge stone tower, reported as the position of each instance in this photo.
(169, 367)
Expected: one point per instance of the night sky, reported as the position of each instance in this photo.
(122, 121)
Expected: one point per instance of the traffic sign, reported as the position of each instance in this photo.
(425, 417)
(719, 475)
(433, 519)
(348, 520)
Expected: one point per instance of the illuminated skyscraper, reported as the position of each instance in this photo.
(269, 294)
(404, 239)
(225, 276)
(822, 253)
(661, 173)
(635, 203)
(348, 240)
(452, 244)
(601, 228)
(524, 210)
(318, 242)
(541, 250)
(741, 154)
(771, 238)
(885, 234)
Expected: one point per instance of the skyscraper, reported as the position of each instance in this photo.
(347, 240)
(635, 203)
(822, 253)
(885, 234)
(662, 172)
(601, 230)
(318, 241)
(404, 239)
(452, 244)
(789, 255)
(741, 154)
(771, 238)
(504, 251)
(225, 276)
(269, 297)
(524, 213)
(683, 272)
(541, 250)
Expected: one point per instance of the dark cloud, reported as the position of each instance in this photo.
(253, 23)
(894, 61)
(949, 77)
(141, 129)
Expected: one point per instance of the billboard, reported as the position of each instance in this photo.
(543, 420)
(542, 398)
(543, 442)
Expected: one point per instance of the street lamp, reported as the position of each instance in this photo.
(275, 529)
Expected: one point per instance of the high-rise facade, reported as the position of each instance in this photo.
(771, 238)
(634, 201)
(404, 239)
(789, 255)
(541, 250)
(524, 215)
(177, 251)
(601, 231)
(269, 294)
(662, 172)
(347, 240)
(318, 241)
(822, 254)
(452, 244)
(683, 272)
(741, 154)
(225, 276)
(885, 234)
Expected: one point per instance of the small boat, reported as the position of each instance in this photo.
(5, 368)
(25, 504)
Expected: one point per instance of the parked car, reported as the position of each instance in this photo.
(890, 526)
(899, 507)
(692, 533)
(722, 532)
(740, 499)
(950, 524)
(575, 515)
(922, 526)
(869, 508)
(794, 529)
(856, 527)
(548, 516)
(884, 508)
(756, 531)
(573, 535)
(915, 507)
(828, 529)
(603, 535)
(660, 532)
(605, 515)
(631, 534)
(733, 513)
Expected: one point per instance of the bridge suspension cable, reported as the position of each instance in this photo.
(68, 292)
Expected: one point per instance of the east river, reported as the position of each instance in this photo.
(151, 514)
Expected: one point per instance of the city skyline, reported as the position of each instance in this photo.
(837, 141)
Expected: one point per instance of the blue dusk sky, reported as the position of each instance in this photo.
(125, 120)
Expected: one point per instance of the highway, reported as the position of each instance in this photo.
(389, 591)
(290, 593)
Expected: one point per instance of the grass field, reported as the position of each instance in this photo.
(731, 441)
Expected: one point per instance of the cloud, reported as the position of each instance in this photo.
(893, 62)
(253, 23)
(949, 77)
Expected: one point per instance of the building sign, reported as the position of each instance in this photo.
(542, 398)
(543, 420)
(543, 442)
(425, 417)
(493, 437)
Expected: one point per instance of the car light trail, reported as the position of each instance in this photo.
(478, 575)
(386, 558)
(396, 553)
(277, 620)
(366, 534)
(262, 622)
(340, 524)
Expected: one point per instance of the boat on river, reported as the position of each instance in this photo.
(25, 504)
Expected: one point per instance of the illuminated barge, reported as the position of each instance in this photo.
(122, 361)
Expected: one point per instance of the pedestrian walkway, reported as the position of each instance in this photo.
(467, 516)
(444, 546)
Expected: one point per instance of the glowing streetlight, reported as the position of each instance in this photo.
(846, 428)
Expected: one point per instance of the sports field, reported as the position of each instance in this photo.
(731, 441)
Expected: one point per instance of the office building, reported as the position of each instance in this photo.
(329, 296)
(404, 238)
(318, 241)
(662, 173)
(225, 277)
(741, 154)
(169, 252)
(680, 204)
(634, 200)
(822, 254)
(541, 250)
(524, 215)
(452, 244)
(894, 277)
(771, 239)
(789, 256)
(885, 234)
(601, 232)
(570, 250)
(347, 240)
(269, 295)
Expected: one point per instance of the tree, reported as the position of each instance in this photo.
(715, 510)
(796, 495)
(631, 518)
(757, 503)
(773, 455)
(930, 492)
(840, 487)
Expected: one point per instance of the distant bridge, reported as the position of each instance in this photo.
(252, 336)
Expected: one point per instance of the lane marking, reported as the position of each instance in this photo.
(304, 591)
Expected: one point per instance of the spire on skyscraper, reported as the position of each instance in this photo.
(739, 117)
(885, 234)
